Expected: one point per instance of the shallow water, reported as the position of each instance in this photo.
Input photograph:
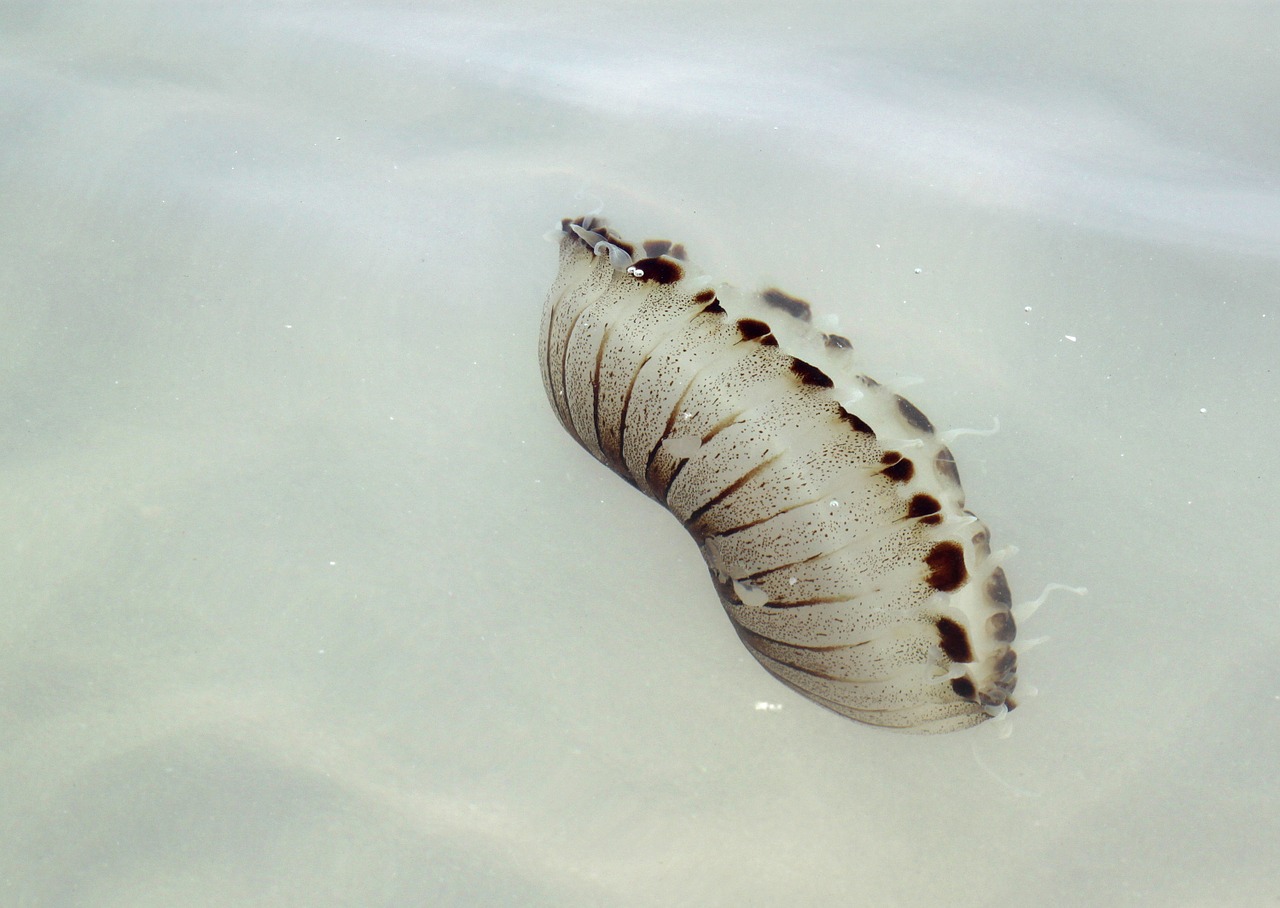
(310, 601)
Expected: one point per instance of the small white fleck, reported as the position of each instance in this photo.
(1070, 337)
(1026, 308)
(833, 503)
(288, 326)
(319, 652)
(792, 581)
(333, 564)
(1203, 410)
(919, 271)
(765, 705)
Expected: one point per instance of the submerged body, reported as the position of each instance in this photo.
(829, 514)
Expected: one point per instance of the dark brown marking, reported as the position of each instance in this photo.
(868, 381)
(729, 531)
(857, 424)
(704, 296)
(789, 304)
(649, 474)
(783, 567)
(945, 464)
(655, 248)
(964, 688)
(622, 469)
(722, 532)
(816, 600)
(946, 566)
(811, 375)
(753, 329)
(600, 229)
(620, 243)
(678, 252)
(659, 270)
(925, 507)
(955, 642)
(595, 386)
(746, 634)
(998, 588)
(714, 306)
(1001, 627)
(897, 467)
(778, 658)
(837, 342)
(671, 480)
(730, 488)
(911, 413)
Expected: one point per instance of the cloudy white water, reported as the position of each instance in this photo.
(306, 599)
